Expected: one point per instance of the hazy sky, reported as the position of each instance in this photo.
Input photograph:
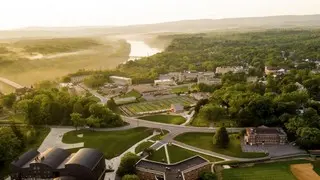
(26, 13)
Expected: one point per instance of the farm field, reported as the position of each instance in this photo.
(157, 105)
(38, 60)
(268, 171)
(168, 119)
(204, 141)
(111, 143)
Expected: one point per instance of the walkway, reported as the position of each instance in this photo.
(54, 139)
(115, 162)
(11, 83)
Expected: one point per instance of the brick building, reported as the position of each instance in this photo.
(265, 135)
(188, 169)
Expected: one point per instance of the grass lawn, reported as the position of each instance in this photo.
(111, 143)
(41, 134)
(160, 136)
(159, 156)
(143, 146)
(132, 93)
(181, 89)
(168, 119)
(205, 141)
(178, 154)
(268, 171)
(199, 121)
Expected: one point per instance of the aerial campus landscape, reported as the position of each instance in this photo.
(188, 100)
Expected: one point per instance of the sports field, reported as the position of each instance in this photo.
(268, 171)
(157, 105)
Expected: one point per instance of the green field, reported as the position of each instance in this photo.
(111, 143)
(143, 146)
(132, 93)
(181, 89)
(159, 156)
(205, 141)
(177, 154)
(268, 171)
(163, 104)
(168, 119)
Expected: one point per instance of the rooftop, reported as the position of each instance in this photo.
(119, 77)
(171, 171)
(265, 130)
(86, 157)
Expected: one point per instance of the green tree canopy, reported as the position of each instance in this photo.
(127, 164)
(130, 177)
(221, 138)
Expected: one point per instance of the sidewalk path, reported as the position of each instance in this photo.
(54, 139)
(115, 162)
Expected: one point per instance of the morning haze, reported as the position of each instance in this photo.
(155, 90)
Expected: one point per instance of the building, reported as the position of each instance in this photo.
(87, 164)
(177, 108)
(274, 70)
(208, 78)
(121, 80)
(265, 135)
(188, 169)
(226, 69)
(188, 76)
(164, 82)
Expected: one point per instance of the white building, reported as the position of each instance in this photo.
(121, 80)
(167, 82)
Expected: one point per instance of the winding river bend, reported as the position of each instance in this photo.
(140, 49)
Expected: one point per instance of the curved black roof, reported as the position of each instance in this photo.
(25, 158)
(53, 157)
(86, 157)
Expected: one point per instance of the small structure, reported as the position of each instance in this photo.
(265, 135)
(177, 108)
(58, 163)
(188, 169)
(274, 70)
(121, 80)
(167, 82)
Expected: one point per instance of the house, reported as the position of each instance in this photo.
(164, 82)
(177, 108)
(265, 135)
(226, 69)
(189, 169)
(58, 163)
(121, 80)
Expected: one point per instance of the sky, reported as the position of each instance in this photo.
(66, 13)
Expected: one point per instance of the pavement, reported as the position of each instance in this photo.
(54, 139)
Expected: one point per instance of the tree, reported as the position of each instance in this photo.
(77, 120)
(221, 138)
(308, 138)
(127, 164)
(8, 100)
(78, 108)
(66, 79)
(199, 104)
(212, 112)
(10, 145)
(207, 176)
(111, 104)
(1, 109)
(130, 177)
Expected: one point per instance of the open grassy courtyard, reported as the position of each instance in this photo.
(111, 143)
(268, 171)
(159, 156)
(168, 119)
(177, 154)
(157, 105)
(205, 141)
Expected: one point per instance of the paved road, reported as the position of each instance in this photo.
(103, 99)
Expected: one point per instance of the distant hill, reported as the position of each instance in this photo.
(290, 21)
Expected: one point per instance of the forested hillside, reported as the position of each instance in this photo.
(205, 52)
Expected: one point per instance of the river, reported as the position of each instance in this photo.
(140, 49)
